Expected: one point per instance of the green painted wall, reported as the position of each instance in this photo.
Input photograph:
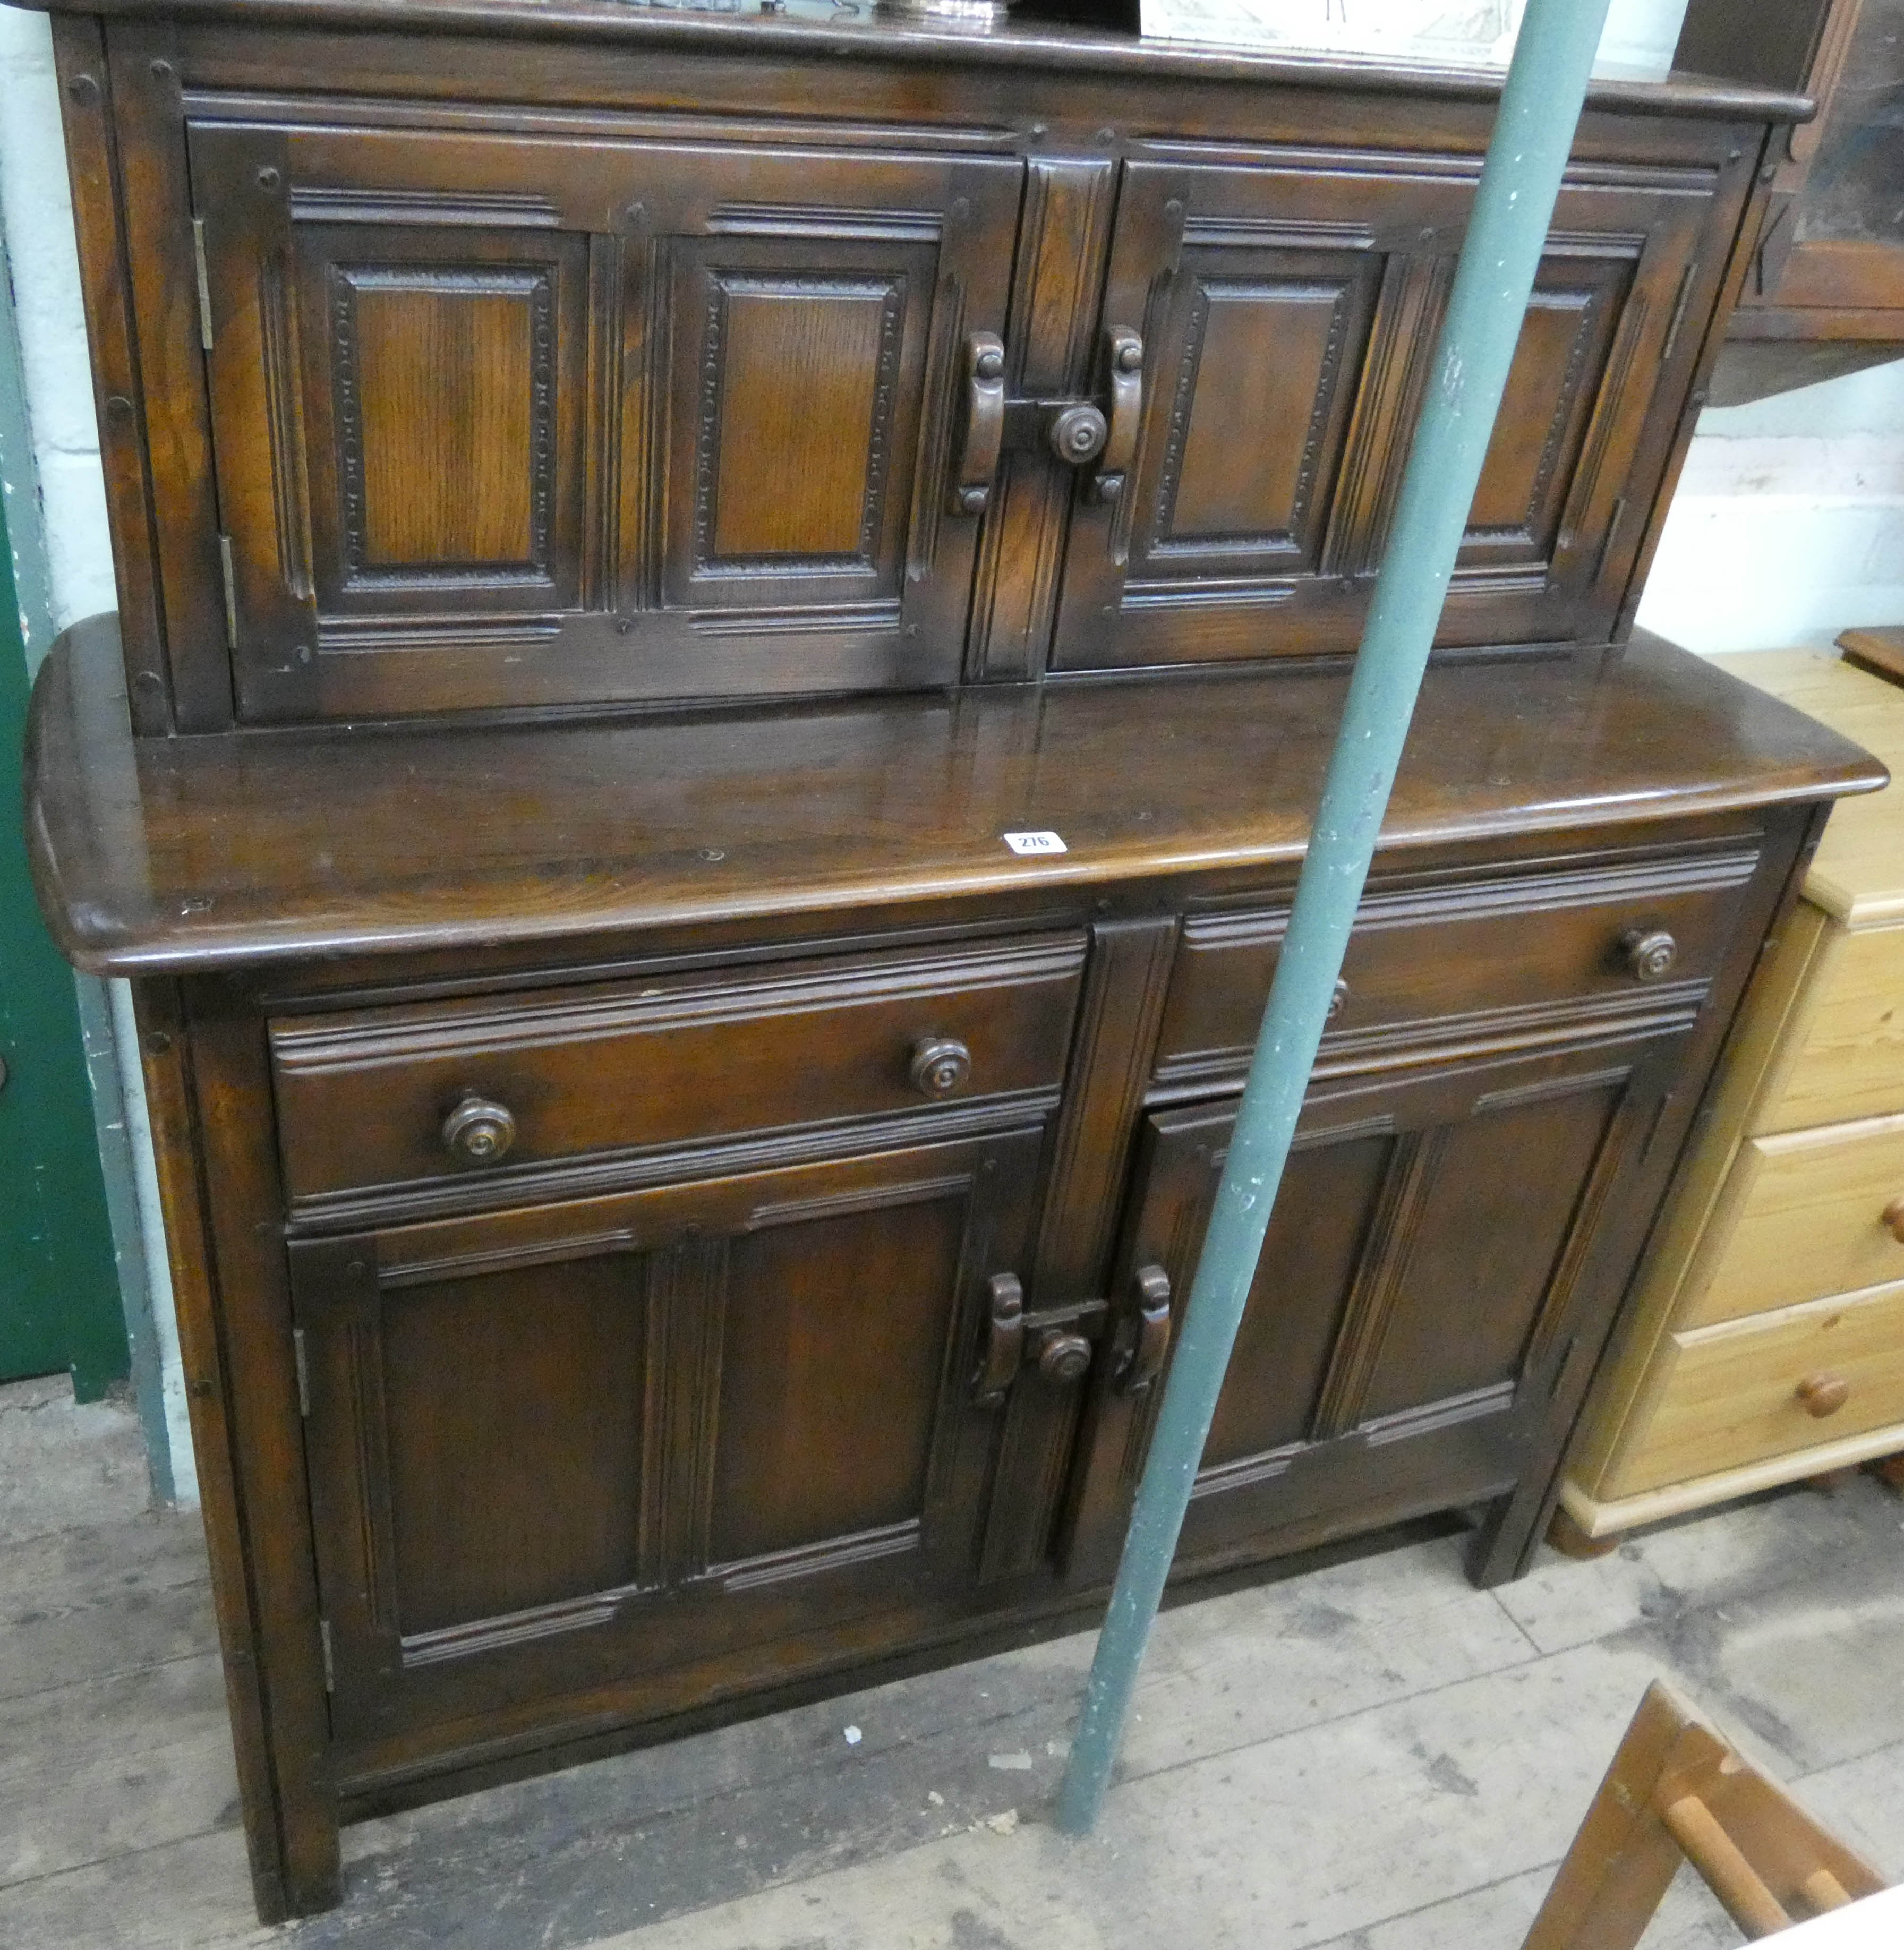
(60, 1305)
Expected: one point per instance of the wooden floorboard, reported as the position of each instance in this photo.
(84, 1604)
(1372, 1757)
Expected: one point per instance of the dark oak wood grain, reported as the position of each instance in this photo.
(619, 376)
(624, 516)
(156, 853)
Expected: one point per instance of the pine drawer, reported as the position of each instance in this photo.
(1847, 1056)
(1803, 1216)
(1725, 1396)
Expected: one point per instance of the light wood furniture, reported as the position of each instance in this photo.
(624, 515)
(1766, 1341)
(1677, 1790)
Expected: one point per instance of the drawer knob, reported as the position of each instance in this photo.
(1820, 1395)
(1063, 1358)
(478, 1131)
(1894, 1219)
(941, 1065)
(1650, 953)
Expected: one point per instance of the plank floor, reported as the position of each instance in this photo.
(1370, 1757)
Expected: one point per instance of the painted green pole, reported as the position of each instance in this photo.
(1540, 111)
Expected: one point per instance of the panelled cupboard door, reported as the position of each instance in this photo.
(511, 420)
(1442, 1245)
(639, 1443)
(1288, 312)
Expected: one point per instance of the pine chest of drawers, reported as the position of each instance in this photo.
(1767, 1338)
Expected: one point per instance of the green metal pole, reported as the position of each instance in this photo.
(1539, 111)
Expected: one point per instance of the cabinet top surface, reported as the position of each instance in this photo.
(800, 29)
(1858, 873)
(155, 854)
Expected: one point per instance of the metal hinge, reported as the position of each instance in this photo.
(303, 1372)
(231, 591)
(1679, 313)
(330, 1669)
(204, 282)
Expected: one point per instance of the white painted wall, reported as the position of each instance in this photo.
(1789, 525)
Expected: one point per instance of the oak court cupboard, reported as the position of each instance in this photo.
(727, 627)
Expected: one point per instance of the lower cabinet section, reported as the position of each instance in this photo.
(600, 1444)
(1443, 1244)
(810, 1305)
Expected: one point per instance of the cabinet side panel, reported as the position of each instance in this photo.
(169, 1098)
(79, 51)
(243, 1202)
(149, 124)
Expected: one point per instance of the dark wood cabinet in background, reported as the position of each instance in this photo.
(626, 520)
(1824, 293)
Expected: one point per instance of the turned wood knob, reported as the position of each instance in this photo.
(1820, 1395)
(1063, 1358)
(941, 1065)
(1894, 1219)
(1650, 953)
(478, 1131)
(1077, 434)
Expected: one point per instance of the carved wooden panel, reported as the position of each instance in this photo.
(504, 421)
(1289, 317)
(557, 1446)
(790, 478)
(1559, 367)
(445, 420)
(1256, 415)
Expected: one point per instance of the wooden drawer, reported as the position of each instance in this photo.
(363, 1097)
(1802, 1217)
(1510, 958)
(1728, 1395)
(1847, 1054)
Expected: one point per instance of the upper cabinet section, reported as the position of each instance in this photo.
(1288, 311)
(501, 421)
(675, 362)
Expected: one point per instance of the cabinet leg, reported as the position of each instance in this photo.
(1502, 1549)
(1570, 1540)
(1888, 1469)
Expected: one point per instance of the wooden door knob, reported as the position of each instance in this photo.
(1063, 1358)
(478, 1131)
(1894, 1219)
(1822, 1394)
(941, 1065)
(1650, 953)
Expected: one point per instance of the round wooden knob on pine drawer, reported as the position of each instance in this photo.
(942, 1066)
(1650, 953)
(1822, 1394)
(478, 1131)
(1894, 1218)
